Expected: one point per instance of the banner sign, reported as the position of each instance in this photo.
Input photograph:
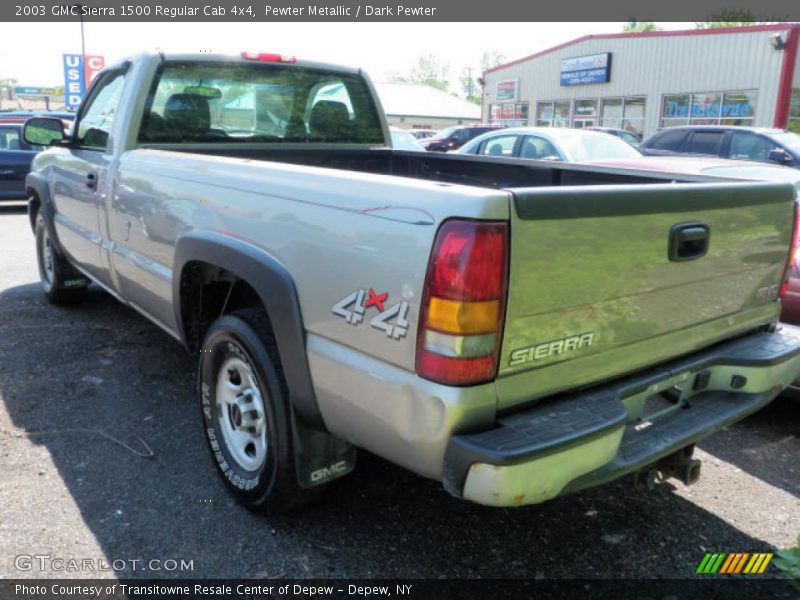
(595, 68)
(74, 81)
(507, 90)
(78, 74)
(24, 90)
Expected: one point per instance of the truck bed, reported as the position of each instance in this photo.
(478, 171)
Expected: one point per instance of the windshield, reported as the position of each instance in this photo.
(596, 146)
(222, 103)
(790, 140)
(444, 133)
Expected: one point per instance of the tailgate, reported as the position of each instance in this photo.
(595, 293)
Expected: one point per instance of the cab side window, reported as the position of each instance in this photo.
(98, 116)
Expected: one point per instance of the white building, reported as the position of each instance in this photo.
(414, 106)
(645, 81)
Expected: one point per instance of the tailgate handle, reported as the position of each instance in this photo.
(688, 241)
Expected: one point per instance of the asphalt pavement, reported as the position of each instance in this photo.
(86, 390)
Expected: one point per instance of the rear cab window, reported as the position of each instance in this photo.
(216, 102)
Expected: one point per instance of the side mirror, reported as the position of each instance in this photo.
(779, 155)
(43, 131)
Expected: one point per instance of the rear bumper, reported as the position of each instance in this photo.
(592, 437)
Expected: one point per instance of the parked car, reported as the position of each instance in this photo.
(422, 134)
(15, 160)
(550, 143)
(403, 140)
(774, 146)
(23, 115)
(497, 325)
(453, 138)
(628, 136)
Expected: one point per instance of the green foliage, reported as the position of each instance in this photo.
(427, 70)
(731, 18)
(788, 562)
(637, 26)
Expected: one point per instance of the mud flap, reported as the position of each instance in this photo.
(319, 457)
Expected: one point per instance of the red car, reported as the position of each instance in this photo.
(453, 138)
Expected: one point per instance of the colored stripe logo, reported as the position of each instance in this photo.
(734, 563)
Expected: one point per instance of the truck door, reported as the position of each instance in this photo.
(82, 177)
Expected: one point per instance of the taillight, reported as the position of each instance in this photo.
(266, 57)
(461, 317)
(792, 251)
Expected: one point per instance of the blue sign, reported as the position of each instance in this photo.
(74, 80)
(712, 110)
(28, 91)
(595, 68)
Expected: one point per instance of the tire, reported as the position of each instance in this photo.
(61, 282)
(246, 413)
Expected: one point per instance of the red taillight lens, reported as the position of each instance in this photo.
(792, 251)
(462, 308)
(267, 57)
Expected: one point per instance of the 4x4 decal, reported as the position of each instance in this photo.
(353, 308)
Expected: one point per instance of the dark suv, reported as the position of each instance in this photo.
(745, 143)
(453, 138)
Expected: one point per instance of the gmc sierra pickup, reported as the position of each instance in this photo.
(514, 329)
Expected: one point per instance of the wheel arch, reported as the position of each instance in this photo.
(276, 290)
(38, 193)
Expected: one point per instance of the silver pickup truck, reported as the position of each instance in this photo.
(514, 329)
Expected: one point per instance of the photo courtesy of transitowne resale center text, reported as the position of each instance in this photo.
(430, 300)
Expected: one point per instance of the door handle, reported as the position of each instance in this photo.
(91, 180)
(688, 241)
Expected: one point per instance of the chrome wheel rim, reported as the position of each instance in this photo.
(240, 414)
(46, 254)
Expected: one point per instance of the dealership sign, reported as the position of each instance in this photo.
(78, 74)
(22, 90)
(507, 90)
(733, 108)
(595, 68)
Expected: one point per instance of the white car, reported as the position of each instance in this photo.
(403, 140)
(549, 143)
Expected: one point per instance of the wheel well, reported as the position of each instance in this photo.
(33, 207)
(206, 293)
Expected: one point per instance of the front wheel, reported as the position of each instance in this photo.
(246, 413)
(61, 282)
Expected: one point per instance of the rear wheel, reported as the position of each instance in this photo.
(61, 282)
(246, 413)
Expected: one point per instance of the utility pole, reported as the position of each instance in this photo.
(83, 39)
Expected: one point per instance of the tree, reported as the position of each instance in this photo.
(427, 70)
(731, 18)
(634, 26)
(471, 79)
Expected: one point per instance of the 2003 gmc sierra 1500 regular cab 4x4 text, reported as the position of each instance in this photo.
(515, 329)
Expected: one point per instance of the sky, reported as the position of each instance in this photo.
(31, 52)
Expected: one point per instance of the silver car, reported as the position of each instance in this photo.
(548, 143)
